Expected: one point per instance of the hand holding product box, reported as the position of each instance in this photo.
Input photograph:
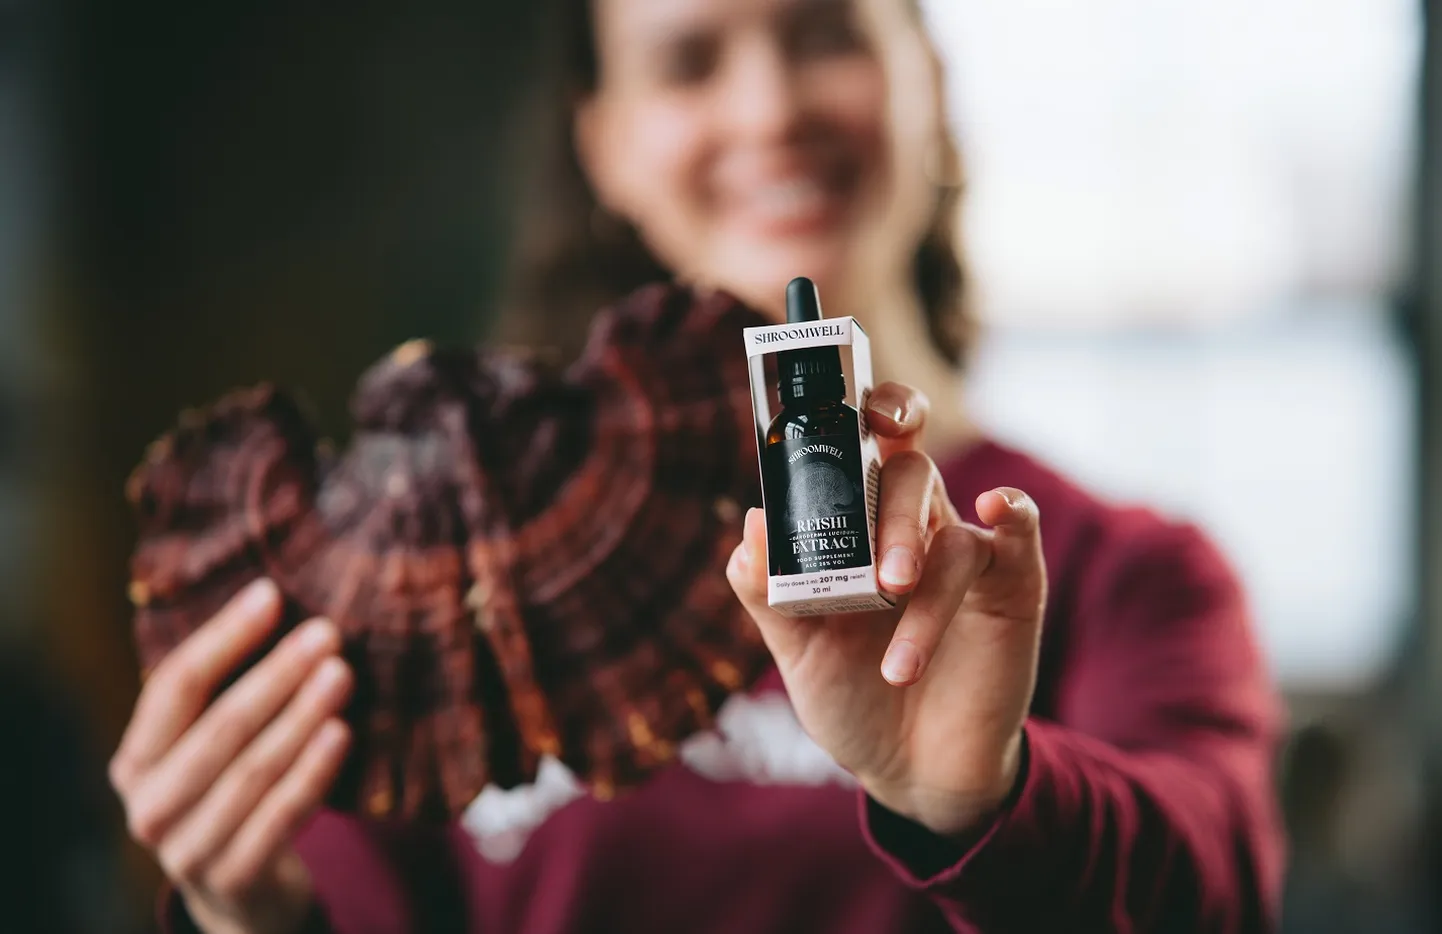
(923, 699)
(819, 462)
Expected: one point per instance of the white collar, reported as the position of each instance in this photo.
(757, 739)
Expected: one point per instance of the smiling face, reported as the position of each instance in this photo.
(752, 141)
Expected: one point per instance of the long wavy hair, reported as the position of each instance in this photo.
(572, 257)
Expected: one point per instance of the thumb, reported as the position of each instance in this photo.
(785, 637)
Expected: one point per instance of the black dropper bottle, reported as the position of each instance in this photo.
(812, 385)
(811, 464)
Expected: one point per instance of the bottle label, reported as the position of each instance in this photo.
(816, 505)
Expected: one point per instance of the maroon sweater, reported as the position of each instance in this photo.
(1145, 803)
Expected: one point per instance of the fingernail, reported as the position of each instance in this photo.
(258, 596)
(898, 567)
(894, 411)
(737, 565)
(901, 663)
(317, 634)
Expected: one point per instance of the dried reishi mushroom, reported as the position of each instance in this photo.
(524, 561)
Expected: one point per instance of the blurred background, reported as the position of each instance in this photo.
(1207, 246)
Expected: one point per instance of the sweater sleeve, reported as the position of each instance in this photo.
(369, 878)
(1146, 802)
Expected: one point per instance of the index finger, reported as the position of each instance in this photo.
(184, 681)
(897, 414)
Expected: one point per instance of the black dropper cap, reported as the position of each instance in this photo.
(813, 372)
(802, 301)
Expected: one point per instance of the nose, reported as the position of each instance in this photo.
(759, 93)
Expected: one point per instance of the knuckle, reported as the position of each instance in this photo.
(301, 791)
(256, 772)
(923, 626)
(146, 823)
(954, 538)
(120, 772)
(232, 729)
(180, 865)
(229, 882)
(906, 462)
(299, 800)
(178, 680)
(895, 521)
(956, 545)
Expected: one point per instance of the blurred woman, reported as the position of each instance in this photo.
(1071, 734)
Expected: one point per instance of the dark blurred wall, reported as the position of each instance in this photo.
(23, 217)
(58, 856)
(264, 190)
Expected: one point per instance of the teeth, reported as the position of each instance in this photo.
(791, 200)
